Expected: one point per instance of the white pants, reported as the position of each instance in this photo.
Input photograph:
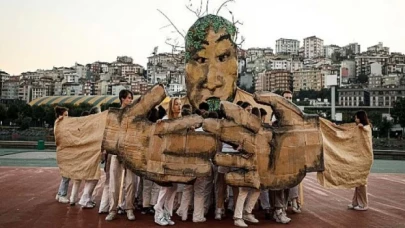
(293, 192)
(150, 192)
(264, 199)
(200, 194)
(241, 207)
(165, 201)
(116, 171)
(75, 190)
(208, 193)
(89, 186)
(105, 182)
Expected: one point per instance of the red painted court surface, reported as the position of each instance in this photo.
(27, 199)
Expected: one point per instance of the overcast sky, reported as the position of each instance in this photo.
(40, 34)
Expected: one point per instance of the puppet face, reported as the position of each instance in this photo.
(211, 72)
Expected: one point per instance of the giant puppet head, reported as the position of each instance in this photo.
(211, 60)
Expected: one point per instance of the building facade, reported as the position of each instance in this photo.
(328, 50)
(352, 48)
(378, 49)
(354, 96)
(10, 88)
(287, 46)
(313, 47)
(308, 79)
(386, 96)
(363, 63)
(280, 64)
(277, 80)
(347, 71)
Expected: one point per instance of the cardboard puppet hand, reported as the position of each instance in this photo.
(163, 152)
(275, 157)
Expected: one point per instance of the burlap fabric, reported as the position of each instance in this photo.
(348, 155)
(78, 145)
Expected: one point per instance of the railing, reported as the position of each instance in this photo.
(378, 154)
(26, 144)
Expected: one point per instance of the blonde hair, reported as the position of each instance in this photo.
(171, 114)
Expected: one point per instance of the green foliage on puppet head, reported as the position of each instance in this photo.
(199, 30)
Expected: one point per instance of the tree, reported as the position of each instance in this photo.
(12, 112)
(38, 113)
(25, 123)
(398, 112)
(375, 118)
(25, 110)
(385, 127)
(3, 112)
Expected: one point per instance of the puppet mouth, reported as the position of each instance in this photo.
(214, 103)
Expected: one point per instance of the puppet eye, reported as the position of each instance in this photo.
(200, 60)
(224, 57)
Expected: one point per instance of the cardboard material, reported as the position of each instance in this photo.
(274, 157)
(348, 155)
(164, 152)
(78, 145)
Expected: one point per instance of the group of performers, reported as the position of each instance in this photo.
(123, 191)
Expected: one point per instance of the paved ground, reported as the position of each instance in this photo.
(27, 199)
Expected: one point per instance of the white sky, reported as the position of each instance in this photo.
(40, 34)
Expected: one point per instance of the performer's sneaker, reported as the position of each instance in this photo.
(147, 210)
(111, 216)
(218, 213)
(360, 208)
(89, 205)
(280, 217)
(63, 199)
(240, 223)
(199, 220)
(161, 221)
(182, 215)
(121, 211)
(130, 215)
(296, 206)
(250, 218)
(168, 219)
(350, 206)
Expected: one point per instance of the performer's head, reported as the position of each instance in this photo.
(361, 117)
(211, 60)
(61, 111)
(95, 110)
(256, 112)
(125, 97)
(287, 95)
(203, 107)
(85, 113)
(246, 106)
(263, 114)
(174, 108)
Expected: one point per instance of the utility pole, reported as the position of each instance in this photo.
(155, 51)
(333, 105)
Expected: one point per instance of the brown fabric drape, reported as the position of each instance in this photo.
(348, 155)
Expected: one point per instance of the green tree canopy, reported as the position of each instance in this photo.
(398, 112)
